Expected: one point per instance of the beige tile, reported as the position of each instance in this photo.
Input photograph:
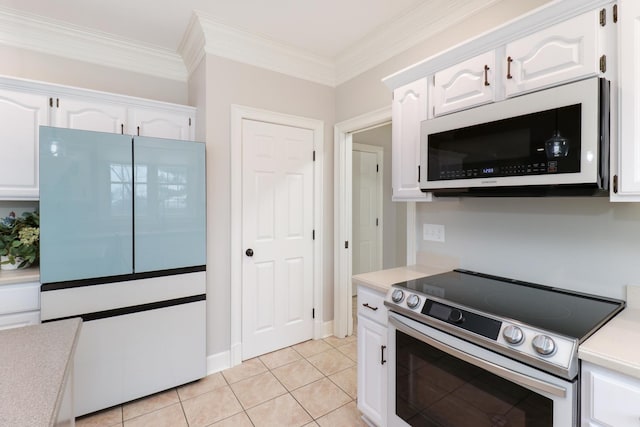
(334, 341)
(345, 416)
(238, 420)
(149, 404)
(258, 389)
(320, 397)
(201, 386)
(280, 357)
(246, 369)
(106, 418)
(311, 424)
(210, 407)
(282, 411)
(350, 350)
(331, 361)
(295, 375)
(347, 380)
(170, 416)
(311, 347)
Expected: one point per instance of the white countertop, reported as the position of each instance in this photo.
(35, 362)
(382, 280)
(22, 275)
(616, 345)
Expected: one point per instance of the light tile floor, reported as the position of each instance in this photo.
(308, 384)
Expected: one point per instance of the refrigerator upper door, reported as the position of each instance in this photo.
(169, 204)
(86, 223)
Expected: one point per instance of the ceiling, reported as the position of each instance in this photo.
(322, 27)
(326, 41)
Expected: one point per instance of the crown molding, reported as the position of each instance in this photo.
(242, 46)
(26, 31)
(404, 33)
(192, 46)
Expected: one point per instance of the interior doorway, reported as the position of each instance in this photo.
(361, 130)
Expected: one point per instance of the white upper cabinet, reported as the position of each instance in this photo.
(558, 54)
(408, 109)
(628, 177)
(77, 113)
(464, 85)
(21, 114)
(160, 124)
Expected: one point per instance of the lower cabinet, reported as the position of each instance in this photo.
(609, 398)
(372, 355)
(19, 305)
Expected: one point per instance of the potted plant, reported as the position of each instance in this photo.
(19, 240)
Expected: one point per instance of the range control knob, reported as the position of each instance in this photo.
(456, 316)
(513, 335)
(544, 345)
(413, 301)
(397, 295)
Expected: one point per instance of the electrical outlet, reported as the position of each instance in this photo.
(433, 232)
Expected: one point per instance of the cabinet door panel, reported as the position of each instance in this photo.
(160, 124)
(629, 54)
(464, 85)
(22, 113)
(82, 114)
(170, 223)
(85, 205)
(558, 54)
(409, 108)
(372, 373)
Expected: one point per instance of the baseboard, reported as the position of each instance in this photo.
(327, 329)
(218, 362)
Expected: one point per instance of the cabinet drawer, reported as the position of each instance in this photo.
(19, 297)
(371, 305)
(615, 399)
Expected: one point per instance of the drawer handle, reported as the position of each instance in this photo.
(509, 61)
(486, 75)
(382, 361)
(366, 304)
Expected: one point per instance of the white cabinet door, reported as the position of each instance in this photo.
(76, 113)
(21, 114)
(160, 124)
(629, 93)
(409, 108)
(372, 370)
(609, 398)
(558, 54)
(464, 85)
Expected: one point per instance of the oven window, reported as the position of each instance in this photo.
(438, 390)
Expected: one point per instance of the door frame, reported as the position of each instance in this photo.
(379, 152)
(342, 215)
(238, 114)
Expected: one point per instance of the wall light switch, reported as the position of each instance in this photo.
(433, 232)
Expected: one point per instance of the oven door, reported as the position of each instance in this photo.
(436, 379)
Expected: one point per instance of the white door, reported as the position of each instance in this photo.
(366, 212)
(277, 215)
(160, 123)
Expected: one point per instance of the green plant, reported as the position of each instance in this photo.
(20, 238)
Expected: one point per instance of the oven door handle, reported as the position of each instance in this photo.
(516, 377)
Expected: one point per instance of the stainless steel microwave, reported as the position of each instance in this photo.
(550, 142)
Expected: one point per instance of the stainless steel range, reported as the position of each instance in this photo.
(471, 349)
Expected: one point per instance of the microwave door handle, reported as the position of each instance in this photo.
(516, 377)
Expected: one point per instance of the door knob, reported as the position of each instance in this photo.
(249, 252)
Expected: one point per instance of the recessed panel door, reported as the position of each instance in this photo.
(366, 253)
(277, 281)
